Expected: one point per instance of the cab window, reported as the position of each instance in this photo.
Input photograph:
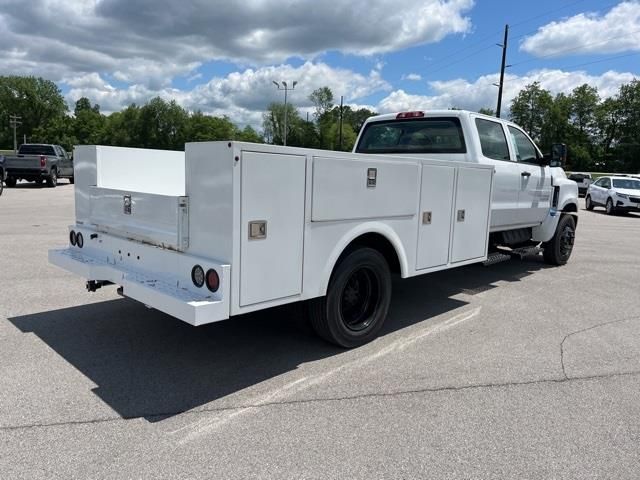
(525, 150)
(492, 139)
(423, 135)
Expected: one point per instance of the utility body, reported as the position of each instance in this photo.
(36, 162)
(229, 228)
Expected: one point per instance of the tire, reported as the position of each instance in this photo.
(588, 204)
(52, 179)
(71, 180)
(558, 250)
(11, 182)
(611, 210)
(357, 301)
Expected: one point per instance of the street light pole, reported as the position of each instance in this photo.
(286, 89)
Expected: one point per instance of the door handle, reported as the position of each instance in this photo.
(526, 174)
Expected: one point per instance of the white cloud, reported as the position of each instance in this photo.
(242, 96)
(414, 77)
(589, 33)
(461, 93)
(152, 41)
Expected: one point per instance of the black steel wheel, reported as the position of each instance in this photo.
(357, 301)
(588, 204)
(558, 250)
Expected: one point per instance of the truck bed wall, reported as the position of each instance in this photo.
(140, 170)
(209, 186)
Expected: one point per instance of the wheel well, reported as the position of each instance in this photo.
(571, 208)
(377, 242)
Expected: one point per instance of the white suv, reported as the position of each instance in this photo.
(615, 194)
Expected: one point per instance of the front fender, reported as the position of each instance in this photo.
(567, 204)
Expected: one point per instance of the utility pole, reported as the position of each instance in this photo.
(14, 121)
(286, 90)
(341, 104)
(504, 65)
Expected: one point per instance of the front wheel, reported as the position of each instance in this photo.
(357, 301)
(609, 207)
(11, 182)
(558, 250)
(588, 204)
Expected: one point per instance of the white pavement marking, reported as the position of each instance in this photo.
(205, 426)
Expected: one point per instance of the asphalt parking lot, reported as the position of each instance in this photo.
(518, 370)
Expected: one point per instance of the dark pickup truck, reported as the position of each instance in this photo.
(36, 162)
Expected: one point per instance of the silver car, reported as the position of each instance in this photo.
(615, 194)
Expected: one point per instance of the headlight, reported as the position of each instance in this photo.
(622, 195)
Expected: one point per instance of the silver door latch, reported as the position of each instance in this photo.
(461, 215)
(372, 176)
(257, 229)
(126, 205)
(426, 218)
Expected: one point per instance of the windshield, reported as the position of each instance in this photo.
(36, 150)
(626, 183)
(424, 135)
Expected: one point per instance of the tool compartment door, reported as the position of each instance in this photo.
(434, 222)
(471, 214)
(272, 226)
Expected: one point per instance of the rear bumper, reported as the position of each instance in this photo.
(27, 172)
(160, 291)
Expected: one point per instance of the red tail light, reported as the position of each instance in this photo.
(410, 115)
(212, 280)
(43, 161)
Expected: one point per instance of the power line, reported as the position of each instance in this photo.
(560, 52)
(493, 36)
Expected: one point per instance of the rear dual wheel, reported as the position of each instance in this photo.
(357, 301)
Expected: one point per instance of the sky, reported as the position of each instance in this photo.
(221, 57)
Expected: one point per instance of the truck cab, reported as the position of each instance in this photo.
(530, 192)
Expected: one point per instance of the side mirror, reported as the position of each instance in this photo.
(558, 155)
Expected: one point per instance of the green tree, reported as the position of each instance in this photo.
(121, 128)
(487, 111)
(162, 125)
(628, 141)
(88, 122)
(530, 109)
(205, 128)
(38, 101)
(273, 124)
(248, 134)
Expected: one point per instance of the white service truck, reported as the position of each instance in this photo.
(227, 228)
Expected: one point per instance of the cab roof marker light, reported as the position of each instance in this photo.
(416, 114)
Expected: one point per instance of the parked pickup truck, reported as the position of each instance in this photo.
(37, 162)
(228, 228)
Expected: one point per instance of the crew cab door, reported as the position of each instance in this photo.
(535, 190)
(494, 150)
(64, 164)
